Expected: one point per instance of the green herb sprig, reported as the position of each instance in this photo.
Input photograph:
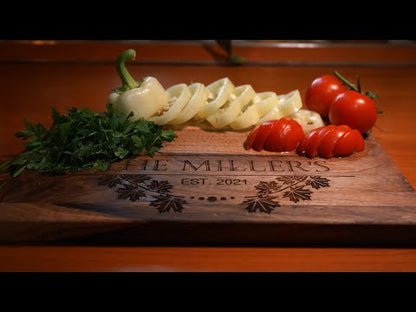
(83, 139)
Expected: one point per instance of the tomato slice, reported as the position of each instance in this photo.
(350, 142)
(292, 134)
(312, 144)
(345, 145)
(262, 135)
(304, 145)
(248, 143)
(281, 135)
(284, 135)
(359, 140)
(275, 141)
(328, 142)
(310, 147)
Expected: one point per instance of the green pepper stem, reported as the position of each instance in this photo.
(128, 81)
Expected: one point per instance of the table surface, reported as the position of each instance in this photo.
(38, 75)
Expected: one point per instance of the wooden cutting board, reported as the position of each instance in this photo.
(205, 189)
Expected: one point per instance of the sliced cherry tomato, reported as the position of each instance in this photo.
(354, 109)
(332, 136)
(351, 140)
(248, 143)
(275, 136)
(310, 144)
(275, 141)
(360, 141)
(331, 141)
(327, 143)
(345, 144)
(262, 135)
(322, 92)
(292, 134)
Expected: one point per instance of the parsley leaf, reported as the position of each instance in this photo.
(83, 139)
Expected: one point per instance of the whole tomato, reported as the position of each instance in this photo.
(354, 109)
(280, 135)
(321, 93)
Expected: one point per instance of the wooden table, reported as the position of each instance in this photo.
(38, 75)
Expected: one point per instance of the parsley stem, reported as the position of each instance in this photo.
(128, 81)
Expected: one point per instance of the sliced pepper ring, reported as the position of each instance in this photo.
(289, 104)
(221, 90)
(199, 95)
(308, 119)
(179, 95)
(226, 114)
(259, 105)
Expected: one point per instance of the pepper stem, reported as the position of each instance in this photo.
(128, 81)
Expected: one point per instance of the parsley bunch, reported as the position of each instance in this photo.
(83, 139)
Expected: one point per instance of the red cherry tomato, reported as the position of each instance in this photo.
(262, 135)
(342, 148)
(321, 93)
(331, 141)
(274, 141)
(353, 109)
(280, 135)
(248, 143)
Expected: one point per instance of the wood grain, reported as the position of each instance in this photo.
(220, 194)
(29, 90)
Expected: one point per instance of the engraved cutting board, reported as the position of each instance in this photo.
(204, 188)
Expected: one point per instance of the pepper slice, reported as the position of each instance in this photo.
(219, 92)
(199, 95)
(179, 95)
(259, 106)
(308, 119)
(232, 108)
(221, 103)
(289, 104)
